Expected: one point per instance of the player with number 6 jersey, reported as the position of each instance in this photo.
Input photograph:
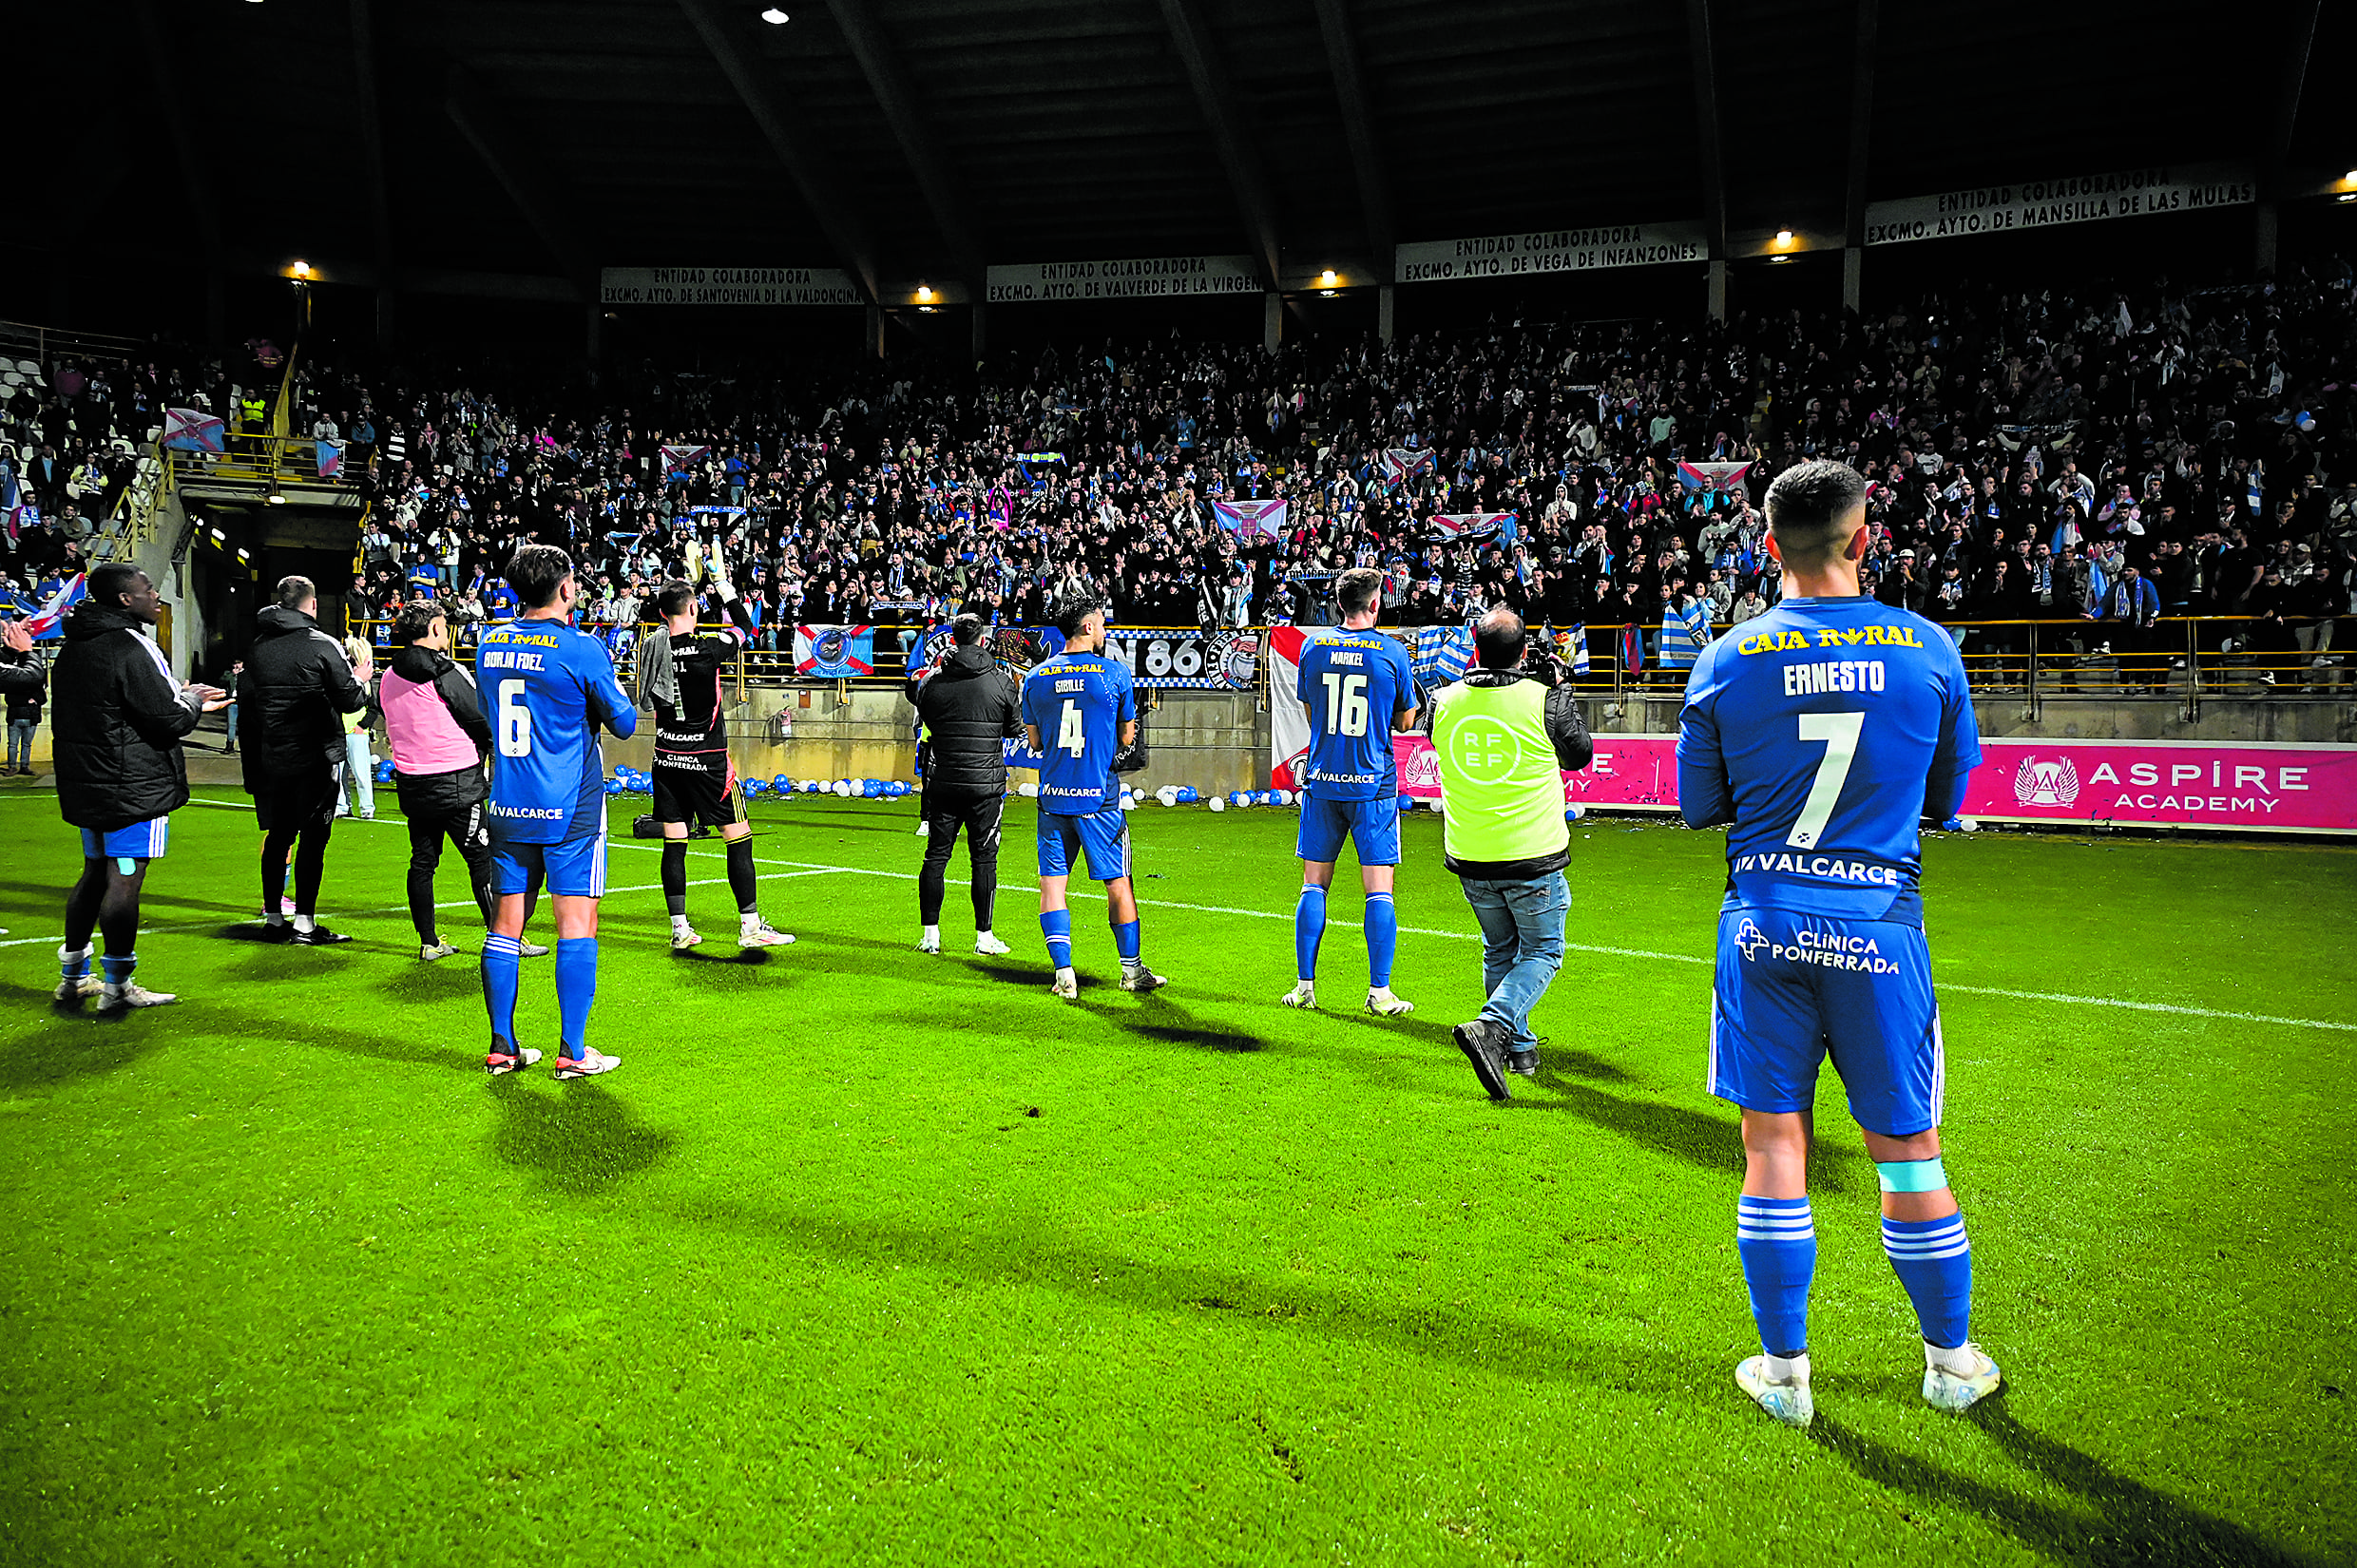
(1824, 732)
(1357, 685)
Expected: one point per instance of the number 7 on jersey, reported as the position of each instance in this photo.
(1840, 734)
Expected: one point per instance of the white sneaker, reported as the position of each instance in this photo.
(928, 943)
(498, 1065)
(1137, 977)
(990, 946)
(762, 936)
(429, 951)
(1958, 1379)
(1381, 1003)
(684, 937)
(589, 1065)
(70, 992)
(1068, 985)
(1303, 995)
(1787, 1401)
(132, 994)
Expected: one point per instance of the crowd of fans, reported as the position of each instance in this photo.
(2097, 457)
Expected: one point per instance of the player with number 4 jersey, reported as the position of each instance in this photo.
(1357, 686)
(1824, 732)
(1080, 710)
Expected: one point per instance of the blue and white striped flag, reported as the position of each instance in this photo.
(1442, 655)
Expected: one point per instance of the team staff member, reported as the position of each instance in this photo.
(552, 688)
(1499, 737)
(297, 687)
(694, 780)
(968, 709)
(120, 771)
(434, 725)
(1825, 733)
(1079, 712)
(1358, 688)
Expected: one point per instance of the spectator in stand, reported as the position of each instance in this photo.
(301, 685)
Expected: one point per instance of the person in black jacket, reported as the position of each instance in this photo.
(116, 732)
(968, 708)
(298, 684)
(23, 683)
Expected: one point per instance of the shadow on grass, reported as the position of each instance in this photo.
(2126, 1524)
(579, 1140)
(65, 1045)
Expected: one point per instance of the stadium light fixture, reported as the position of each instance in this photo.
(301, 269)
(2350, 178)
(775, 17)
(219, 537)
(2348, 196)
(1326, 278)
(1784, 237)
(924, 295)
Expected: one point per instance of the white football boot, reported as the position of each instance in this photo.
(1787, 1398)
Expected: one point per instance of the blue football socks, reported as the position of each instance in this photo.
(577, 989)
(1125, 940)
(73, 962)
(503, 957)
(1056, 924)
(114, 969)
(1309, 929)
(1933, 1259)
(1382, 938)
(1776, 1238)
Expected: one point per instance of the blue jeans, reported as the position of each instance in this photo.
(1521, 945)
(20, 742)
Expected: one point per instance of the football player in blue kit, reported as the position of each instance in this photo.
(1825, 731)
(1358, 687)
(549, 688)
(1079, 709)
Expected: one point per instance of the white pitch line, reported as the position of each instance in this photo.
(815, 868)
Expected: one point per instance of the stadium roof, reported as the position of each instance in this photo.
(908, 139)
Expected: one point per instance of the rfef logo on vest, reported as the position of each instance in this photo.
(1483, 752)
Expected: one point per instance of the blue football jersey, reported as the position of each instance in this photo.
(1080, 702)
(1353, 683)
(1825, 731)
(548, 687)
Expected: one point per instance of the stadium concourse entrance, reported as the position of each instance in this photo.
(235, 555)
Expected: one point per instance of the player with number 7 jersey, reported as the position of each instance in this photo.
(1825, 733)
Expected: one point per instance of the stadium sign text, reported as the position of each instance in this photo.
(1548, 250)
(1143, 278)
(2044, 203)
(727, 286)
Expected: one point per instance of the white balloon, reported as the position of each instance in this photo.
(1030, 792)
(843, 787)
(1968, 823)
(1219, 803)
(1130, 802)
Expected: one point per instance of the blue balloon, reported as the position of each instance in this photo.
(781, 783)
(613, 786)
(898, 788)
(1188, 794)
(1406, 804)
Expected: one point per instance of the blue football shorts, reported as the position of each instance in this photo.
(1102, 836)
(138, 841)
(1371, 825)
(1792, 988)
(575, 869)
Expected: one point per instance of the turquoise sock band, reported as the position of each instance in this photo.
(1910, 1175)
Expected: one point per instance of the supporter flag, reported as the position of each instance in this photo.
(22, 515)
(1442, 655)
(834, 653)
(931, 653)
(1475, 525)
(1572, 649)
(1244, 518)
(675, 459)
(1288, 722)
(1401, 463)
(331, 458)
(191, 431)
(1712, 476)
(49, 620)
(1632, 650)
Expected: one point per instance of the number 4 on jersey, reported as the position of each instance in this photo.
(1071, 736)
(1840, 734)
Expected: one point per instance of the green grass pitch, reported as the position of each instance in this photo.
(871, 1258)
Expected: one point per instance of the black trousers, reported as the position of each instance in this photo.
(469, 835)
(947, 810)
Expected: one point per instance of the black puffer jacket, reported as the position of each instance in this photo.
(296, 689)
(117, 723)
(969, 706)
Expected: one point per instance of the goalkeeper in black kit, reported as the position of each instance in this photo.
(679, 678)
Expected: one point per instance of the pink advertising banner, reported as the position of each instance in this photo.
(2251, 786)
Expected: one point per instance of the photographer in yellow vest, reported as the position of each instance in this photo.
(1503, 738)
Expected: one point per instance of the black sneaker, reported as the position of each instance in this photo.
(1484, 1045)
(1525, 1063)
(277, 931)
(319, 936)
